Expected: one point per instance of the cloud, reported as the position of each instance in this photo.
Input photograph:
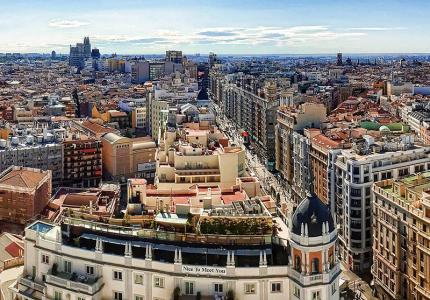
(276, 36)
(376, 28)
(67, 23)
(217, 33)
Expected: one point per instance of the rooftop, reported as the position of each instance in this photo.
(23, 177)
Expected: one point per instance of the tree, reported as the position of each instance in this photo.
(128, 133)
(230, 295)
(176, 293)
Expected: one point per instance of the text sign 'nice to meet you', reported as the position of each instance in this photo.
(203, 270)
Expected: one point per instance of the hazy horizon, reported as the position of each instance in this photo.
(226, 26)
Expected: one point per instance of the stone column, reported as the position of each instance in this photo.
(308, 264)
(303, 263)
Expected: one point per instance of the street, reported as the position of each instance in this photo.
(271, 184)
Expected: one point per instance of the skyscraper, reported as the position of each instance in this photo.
(87, 47)
(212, 59)
(76, 57)
(79, 53)
(174, 56)
(95, 53)
(339, 59)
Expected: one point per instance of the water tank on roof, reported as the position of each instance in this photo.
(49, 137)
(2, 143)
(29, 139)
(15, 140)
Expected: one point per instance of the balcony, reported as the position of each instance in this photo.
(314, 278)
(74, 282)
(29, 289)
(201, 171)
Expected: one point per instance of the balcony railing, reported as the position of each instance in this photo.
(314, 278)
(171, 235)
(91, 286)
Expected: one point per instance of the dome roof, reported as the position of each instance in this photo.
(384, 128)
(313, 212)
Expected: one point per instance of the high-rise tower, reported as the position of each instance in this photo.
(339, 59)
(87, 47)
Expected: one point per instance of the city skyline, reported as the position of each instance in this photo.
(272, 27)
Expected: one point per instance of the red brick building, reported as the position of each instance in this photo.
(24, 193)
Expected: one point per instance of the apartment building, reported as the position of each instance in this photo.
(356, 170)
(254, 113)
(82, 161)
(43, 152)
(191, 155)
(159, 113)
(82, 259)
(401, 242)
(321, 153)
(138, 118)
(24, 193)
(292, 147)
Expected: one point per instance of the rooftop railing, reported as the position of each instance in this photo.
(226, 239)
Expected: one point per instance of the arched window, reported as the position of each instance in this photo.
(315, 266)
(298, 264)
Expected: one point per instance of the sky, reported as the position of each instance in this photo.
(220, 26)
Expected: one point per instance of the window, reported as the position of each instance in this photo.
(298, 266)
(117, 275)
(296, 291)
(138, 279)
(67, 266)
(159, 282)
(333, 288)
(45, 259)
(138, 297)
(218, 287)
(57, 295)
(315, 266)
(249, 288)
(316, 295)
(90, 270)
(81, 298)
(276, 287)
(117, 295)
(189, 288)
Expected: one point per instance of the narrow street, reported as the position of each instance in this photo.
(271, 184)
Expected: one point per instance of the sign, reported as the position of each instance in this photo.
(203, 270)
(146, 166)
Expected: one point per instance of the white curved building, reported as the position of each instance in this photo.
(81, 259)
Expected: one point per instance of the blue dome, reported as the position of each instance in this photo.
(313, 212)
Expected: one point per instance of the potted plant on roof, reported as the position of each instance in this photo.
(176, 293)
(54, 269)
(229, 295)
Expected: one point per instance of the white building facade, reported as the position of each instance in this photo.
(73, 270)
(354, 175)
